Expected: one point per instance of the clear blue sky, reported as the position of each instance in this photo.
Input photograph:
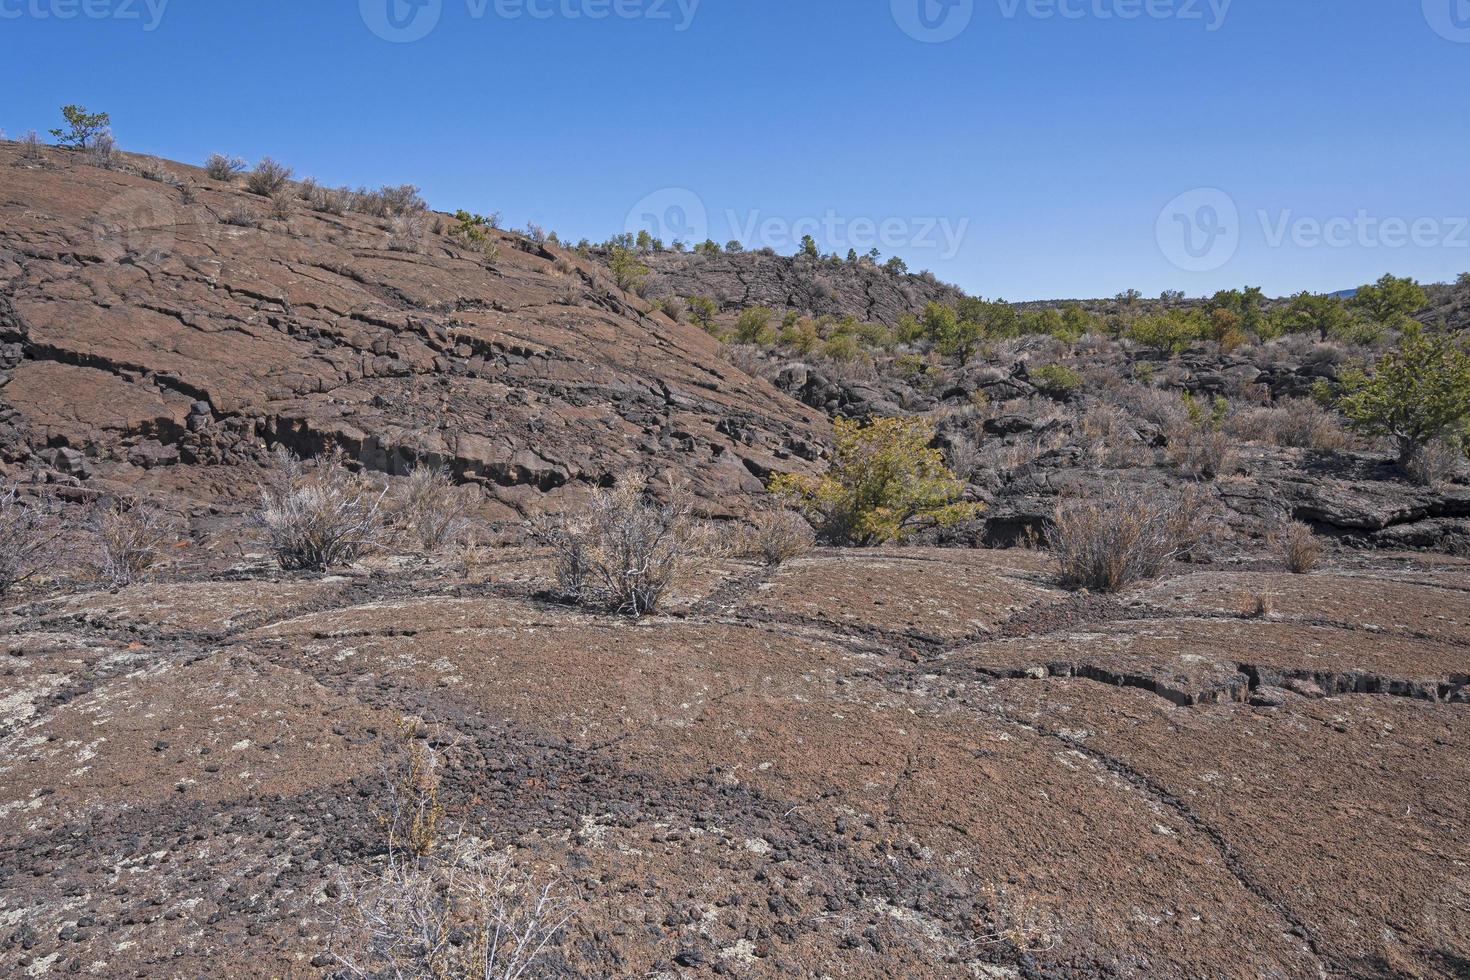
(1053, 143)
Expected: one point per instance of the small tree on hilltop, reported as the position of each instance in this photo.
(627, 271)
(82, 126)
(1417, 395)
(885, 478)
(1390, 300)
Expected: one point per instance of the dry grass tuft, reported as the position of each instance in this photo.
(1300, 549)
(1110, 539)
(131, 539)
(318, 517)
(776, 536)
(28, 537)
(428, 510)
(625, 549)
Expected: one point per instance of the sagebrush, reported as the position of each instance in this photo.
(320, 516)
(1118, 535)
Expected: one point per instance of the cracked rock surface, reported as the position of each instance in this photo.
(155, 340)
(793, 772)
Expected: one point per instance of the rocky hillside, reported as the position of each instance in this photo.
(811, 286)
(153, 334)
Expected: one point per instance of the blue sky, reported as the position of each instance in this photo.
(1049, 148)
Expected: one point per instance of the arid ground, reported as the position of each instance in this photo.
(914, 761)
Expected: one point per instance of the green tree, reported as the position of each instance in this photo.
(1076, 321)
(800, 335)
(1168, 333)
(627, 271)
(1390, 300)
(702, 310)
(644, 241)
(809, 247)
(1415, 395)
(885, 480)
(1316, 313)
(1057, 381)
(82, 127)
(754, 326)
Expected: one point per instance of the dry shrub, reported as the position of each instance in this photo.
(282, 202)
(963, 456)
(776, 536)
(103, 152)
(27, 539)
(1202, 452)
(406, 232)
(1434, 462)
(1163, 409)
(472, 915)
(241, 217)
(155, 170)
(30, 147)
(412, 813)
(223, 168)
(1109, 437)
(1299, 423)
(131, 538)
(267, 178)
(625, 549)
(1119, 535)
(429, 510)
(320, 516)
(387, 201)
(1016, 920)
(1299, 547)
(327, 200)
(1257, 605)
